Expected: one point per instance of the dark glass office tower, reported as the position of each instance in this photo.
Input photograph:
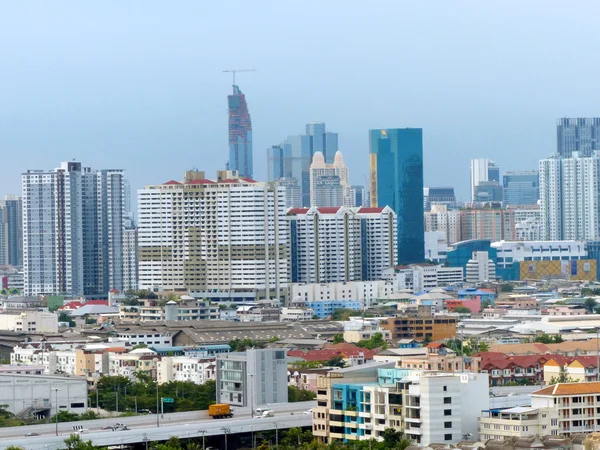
(240, 134)
(396, 159)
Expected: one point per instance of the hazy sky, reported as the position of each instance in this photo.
(138, 85)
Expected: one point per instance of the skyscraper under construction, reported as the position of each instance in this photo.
(240, 134)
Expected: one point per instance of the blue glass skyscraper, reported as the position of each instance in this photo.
(396, 159)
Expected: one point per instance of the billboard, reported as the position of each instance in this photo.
(576, 270)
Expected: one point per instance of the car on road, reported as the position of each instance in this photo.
(308, 411)
(32, 434)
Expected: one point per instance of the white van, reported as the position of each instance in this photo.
(264, 412)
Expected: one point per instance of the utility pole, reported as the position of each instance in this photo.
(276, 435)
(146, 440)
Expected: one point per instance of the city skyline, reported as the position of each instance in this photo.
(147, 106)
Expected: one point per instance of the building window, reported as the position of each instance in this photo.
(447, 424)
(447, 400)
(447, 437)
(445, 388)
(447, 412)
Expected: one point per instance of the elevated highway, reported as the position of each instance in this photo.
(193, 424)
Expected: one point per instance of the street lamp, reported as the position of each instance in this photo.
(56, 401)
(251, 395)
(226, 430)
(145, 439)
(203, 435)
(157, 404)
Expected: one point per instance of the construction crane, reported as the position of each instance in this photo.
(238, 70)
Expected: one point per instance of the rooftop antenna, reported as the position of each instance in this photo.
(238, 70)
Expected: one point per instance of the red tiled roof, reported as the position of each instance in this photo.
(228, 180)
(436, 345)
(71, 306)
(298, 211)
(329, 209)
(570, 389)
(96, 302)
(327, 354)
(172, 182)
(202, 181)
(365, 210)
(248, 180)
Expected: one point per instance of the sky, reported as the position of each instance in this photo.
(139, 85)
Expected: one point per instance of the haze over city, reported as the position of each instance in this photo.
(139, 85)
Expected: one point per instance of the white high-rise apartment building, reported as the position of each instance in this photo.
(341, 244)
(448, 222)
(329, 183)
(570, 197)
(229, 234)
(72, 230)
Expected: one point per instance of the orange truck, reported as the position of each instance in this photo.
(220, 411)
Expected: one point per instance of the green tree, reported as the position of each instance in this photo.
(140, 345)
(64, 317)
(485, 304)
(590, 304)
(375, 341)
(65, 416)
(336, 361)
(89, 415)
(74, 442)
(300, 395)
(562, 377)
(338, 338)
(461, 310)
(506, 287)
(545, 338)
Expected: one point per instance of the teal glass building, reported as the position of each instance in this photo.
(396, 160)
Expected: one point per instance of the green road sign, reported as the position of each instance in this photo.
(167, 400)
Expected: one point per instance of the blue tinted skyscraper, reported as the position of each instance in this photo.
(521, 187)
(396, 159)
(240, 134)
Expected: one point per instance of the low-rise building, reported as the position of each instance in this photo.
(420, 326)
(295, 314)
(577, 369)
(141, 360)
(187, 308)
(518, 422)
(517, 301)
(251, 378)
(184, 368)
(435, 356)
(134, 335)
(504, 369)
(429, 407)
(28, 396)
(324, 309)
(577, 404)
(29, 321)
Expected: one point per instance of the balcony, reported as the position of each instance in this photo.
(413, 420)
(413, 431)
